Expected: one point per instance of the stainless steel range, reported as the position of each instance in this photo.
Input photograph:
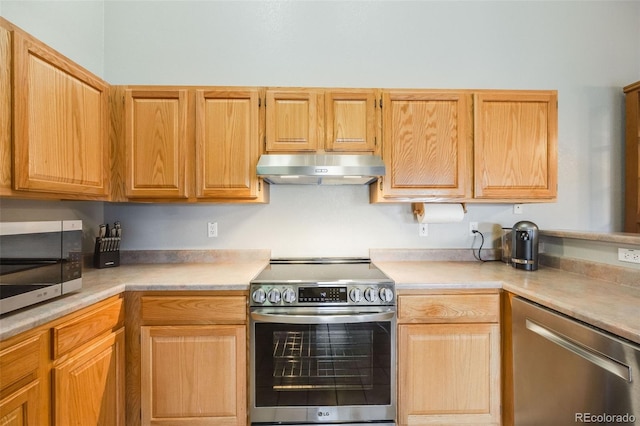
(322, 343)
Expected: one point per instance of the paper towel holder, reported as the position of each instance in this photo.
(418, 208)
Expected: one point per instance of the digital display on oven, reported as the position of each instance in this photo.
(322, 294)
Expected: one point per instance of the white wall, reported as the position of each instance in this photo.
(586, 50)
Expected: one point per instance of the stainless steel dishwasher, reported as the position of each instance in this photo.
(567, 372)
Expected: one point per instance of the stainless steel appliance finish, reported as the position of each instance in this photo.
(524, 246)
(567, 372)
(320, 169)
(38, 261)
(322, 339)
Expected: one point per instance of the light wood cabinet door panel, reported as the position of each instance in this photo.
(227, 143)
(632, 158)
(426, 144)
(515, 146)
(156, 139)
(351, 120)
(449, 374)
(60, 123)
(89, 385)
(294, 120)
(193, 375)
(22, 407)
(5, 110)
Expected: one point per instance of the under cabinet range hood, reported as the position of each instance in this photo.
(320, 169)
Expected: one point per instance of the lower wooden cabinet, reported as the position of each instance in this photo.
(187, 358)
(66, 372)
(193, 374)
(449, 359)
(88, 387)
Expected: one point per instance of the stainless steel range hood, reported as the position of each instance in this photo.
(320, 169)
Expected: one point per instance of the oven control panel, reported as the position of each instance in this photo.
(318, 295)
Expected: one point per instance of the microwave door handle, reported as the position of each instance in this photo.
(322, 318)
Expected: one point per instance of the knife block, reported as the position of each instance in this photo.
(106, 253)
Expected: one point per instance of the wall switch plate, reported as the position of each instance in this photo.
(423, 229)
(473, 226)
(629, 255)
(212, 229)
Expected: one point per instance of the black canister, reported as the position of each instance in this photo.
(524, 246)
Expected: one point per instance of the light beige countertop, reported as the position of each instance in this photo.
(99, 284)
(610, 306)
(604, 304)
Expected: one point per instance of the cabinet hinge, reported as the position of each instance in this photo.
(380, 102)
(259, 186)
(259, 102)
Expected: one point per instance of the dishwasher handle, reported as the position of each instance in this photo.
(615, 367)
(333, 318)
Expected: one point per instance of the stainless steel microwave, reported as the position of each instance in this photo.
(39, 261)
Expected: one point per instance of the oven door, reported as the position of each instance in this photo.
(322, 365)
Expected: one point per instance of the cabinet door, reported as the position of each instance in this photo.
(5, 109)
(515, 146)
(156, 139)
(60, 123)
(89, 385)
(426, 144)
(21, 408)
(351, 120)
(294, 120)
(193, 375)
(449, 374)
(227, 143)
(632, 158)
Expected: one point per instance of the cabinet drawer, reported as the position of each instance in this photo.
(20, 363)
(442, 308)
(79, 330)
(194, 309)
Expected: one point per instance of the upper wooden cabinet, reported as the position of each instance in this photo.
(156, 141)
(632, 158)
(309, 120)
(228, 129)
(294, 118)
(426, 145)
(59, 123)
(5, 110)
(515, 145)
(192, 143)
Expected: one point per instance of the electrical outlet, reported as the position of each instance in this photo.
(423, 230)
(473, 226)
(629, 255)
(212, 229)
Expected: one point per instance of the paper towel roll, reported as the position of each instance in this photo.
(441, 213)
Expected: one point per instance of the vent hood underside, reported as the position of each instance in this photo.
(320, 169)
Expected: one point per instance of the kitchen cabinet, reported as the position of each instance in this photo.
(59, 123)
(192, 354)
(88, 371)
(156, 142)
(68, 371)
(192, 143)
(427, 145)
(5, 109)
(515, 145)
(448, 358)
(632, 158)
(319, 120)
(24, 394)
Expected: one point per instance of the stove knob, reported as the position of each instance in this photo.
(370, 294)
(289, 295)
(259, 296)
(274, 295)
(355, 295)
(386, 295)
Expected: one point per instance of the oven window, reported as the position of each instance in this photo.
(327, 364)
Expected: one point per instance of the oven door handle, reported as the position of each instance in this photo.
(323, 318)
